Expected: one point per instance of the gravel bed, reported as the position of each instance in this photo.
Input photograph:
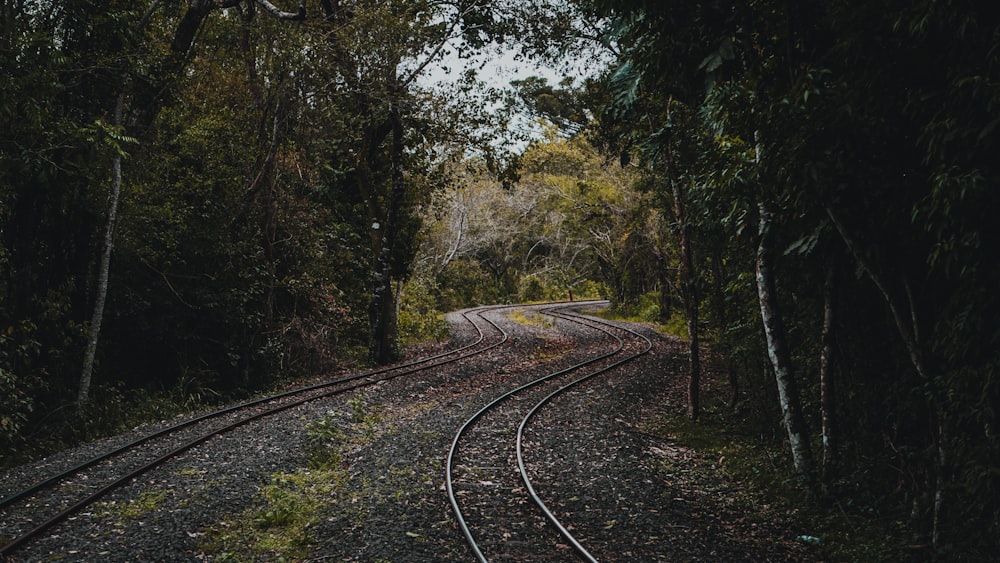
(628, 495)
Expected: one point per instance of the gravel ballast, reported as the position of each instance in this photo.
(626, 494)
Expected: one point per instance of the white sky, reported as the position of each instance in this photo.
(498, 69)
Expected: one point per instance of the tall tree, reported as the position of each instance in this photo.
(181, 44)
(380, 79)
(687, 276)
(828, 403)
(898, 174)
(777, 346)
(105, 264)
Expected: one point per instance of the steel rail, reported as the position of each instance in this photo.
(449, 480)
(522, 468)
(4, 503)
(358, 380)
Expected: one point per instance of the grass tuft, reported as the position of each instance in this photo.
(531, 318)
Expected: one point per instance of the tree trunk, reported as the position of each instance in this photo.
(721, 348)
(183, 38)
(455, 247)
(690, 295)
(379, 348)
(83, 393)
(777, 350)
(382, 318)
(942, 476)
(826, 384)
(905, 325)
(666, 299)
(900, 302)
(687, 284)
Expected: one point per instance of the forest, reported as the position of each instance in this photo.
(204, 200)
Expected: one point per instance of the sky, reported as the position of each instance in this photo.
(498, 69)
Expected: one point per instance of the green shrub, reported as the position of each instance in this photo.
(464, 283)
(419, 319)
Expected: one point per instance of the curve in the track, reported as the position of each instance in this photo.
(449, 480)
(522, 468)
(355, 381)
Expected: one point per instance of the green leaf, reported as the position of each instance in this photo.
(805, 244)
(711, 62)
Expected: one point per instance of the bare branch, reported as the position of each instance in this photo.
(907, 332)
(276, 12)
(448, 36)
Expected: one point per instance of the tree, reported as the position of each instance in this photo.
(105, 264)
(183, 39)
(62, 158)
(572, 220)
(886, 177)
(378, 81)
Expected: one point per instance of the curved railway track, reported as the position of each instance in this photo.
(538, 393)
(175, 440)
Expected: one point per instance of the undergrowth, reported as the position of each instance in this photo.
(134, 509)
(837, 529)
(280, 527)
(531, 318)
(644, 312)
(115, 409)
(112, 410)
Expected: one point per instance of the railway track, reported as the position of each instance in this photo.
(488, 440)
(35, 510)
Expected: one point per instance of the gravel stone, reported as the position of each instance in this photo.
(626, 495)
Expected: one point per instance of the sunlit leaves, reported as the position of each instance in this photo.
(563, 224)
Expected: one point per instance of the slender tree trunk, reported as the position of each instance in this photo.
(777, 349)
(458, 244)
(666, 302)
(826, 384)
(398, 303)
(721, 348)
(690, 296)
(694, 365)
(942, 477)
(687, 283)
(183, 38)
(83, 394)
(382, 319)
(908, 327)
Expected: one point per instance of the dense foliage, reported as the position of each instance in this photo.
(572, 225)
(210, 196)
(811, 185)
(837, 162)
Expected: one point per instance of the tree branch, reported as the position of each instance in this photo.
(907, 332)
(276, 12)
(437, 48)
